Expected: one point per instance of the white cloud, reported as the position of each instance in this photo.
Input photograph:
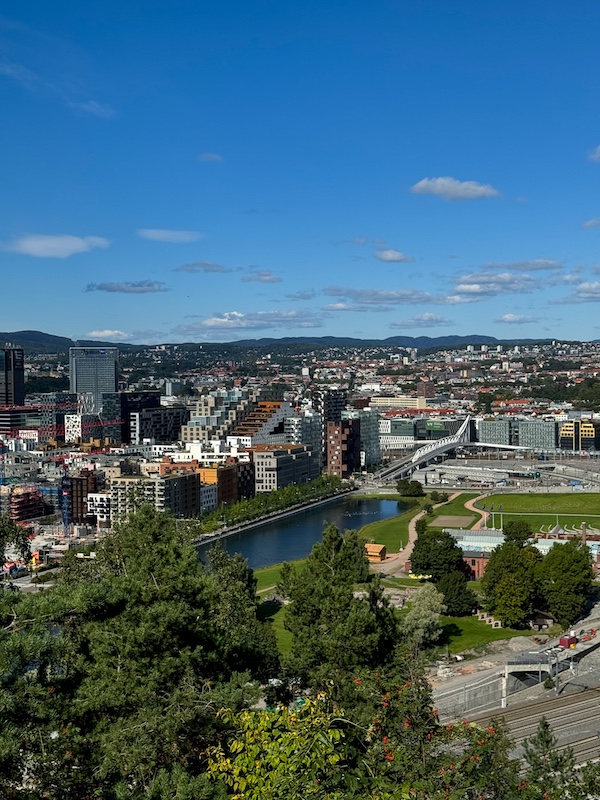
(427, 320)
(259, 320)
(108, 334)
(516, 319)
(261, 276)
(586, 292)
(595, 154)
(164, 235)
(452, 189)
(533, 265)
(309, 294)
(211, 158)
(393, 256)
(494, 283)
(592, 223)
(61, 246)
(384, 297)
(202, 266)
(127, 287)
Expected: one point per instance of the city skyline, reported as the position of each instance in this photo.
(215, 172)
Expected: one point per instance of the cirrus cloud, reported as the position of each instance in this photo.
(261, 276)
(516, 319)
(594, 155)
(392, 297)
(211, 158)
(61, 246)
(202, 266)
(452, 189)
(127, 287)
(592, 223)
(393, 256)
(171, 236)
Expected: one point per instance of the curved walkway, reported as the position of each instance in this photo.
(483, 515)
(396, 565)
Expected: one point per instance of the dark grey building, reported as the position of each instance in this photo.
(12, 376)
(92, 372)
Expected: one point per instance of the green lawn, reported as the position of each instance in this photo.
(545, 510)
(456, 507)
(267, 577)
(276, 616)
(393, 532)
(459, 633)
(467, 633)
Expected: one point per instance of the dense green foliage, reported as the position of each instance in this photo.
(333, 631)
(518, 580)
(436, 554)
(112, 680)
(136, 676)
(509, 583)
(408, 488)
(565, 579)
(268, 503)
(12, 536)
(459, 599)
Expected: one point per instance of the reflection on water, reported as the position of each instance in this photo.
(292, 538)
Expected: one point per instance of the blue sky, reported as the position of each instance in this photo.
(188, 170)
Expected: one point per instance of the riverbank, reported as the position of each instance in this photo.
(227, 531)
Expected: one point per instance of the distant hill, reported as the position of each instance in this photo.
(40, 342)
(419, 342)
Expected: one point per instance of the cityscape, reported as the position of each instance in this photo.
(299, 401)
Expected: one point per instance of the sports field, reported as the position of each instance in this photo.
(544, 511)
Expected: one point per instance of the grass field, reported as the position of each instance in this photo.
(266, 577)
(545, 510)
(470, 633)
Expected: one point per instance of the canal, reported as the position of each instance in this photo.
(293, 537)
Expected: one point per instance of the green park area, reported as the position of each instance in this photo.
(544, 511)
(459, 633)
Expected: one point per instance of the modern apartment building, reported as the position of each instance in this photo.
(215, 415)
(276, 466)
(343, 447)
(177, 493)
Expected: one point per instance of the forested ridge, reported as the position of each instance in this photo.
(144, 674)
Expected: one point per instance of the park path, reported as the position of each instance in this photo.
(483, 515)
(395, 566)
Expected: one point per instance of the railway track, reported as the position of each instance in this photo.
(574, 719)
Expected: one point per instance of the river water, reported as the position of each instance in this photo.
(293, 537)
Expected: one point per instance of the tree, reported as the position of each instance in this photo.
(12, 536)
(410, 488)
(566, 578)
(517, 531)
(421, 625)
(459, 599)
(112, 679)
(334, 633)
(549, 770)
(509, 583)
(421, 525)
(435, 553)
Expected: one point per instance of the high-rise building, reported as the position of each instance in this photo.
(93, 371)
(12, 376)
(343, 447)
